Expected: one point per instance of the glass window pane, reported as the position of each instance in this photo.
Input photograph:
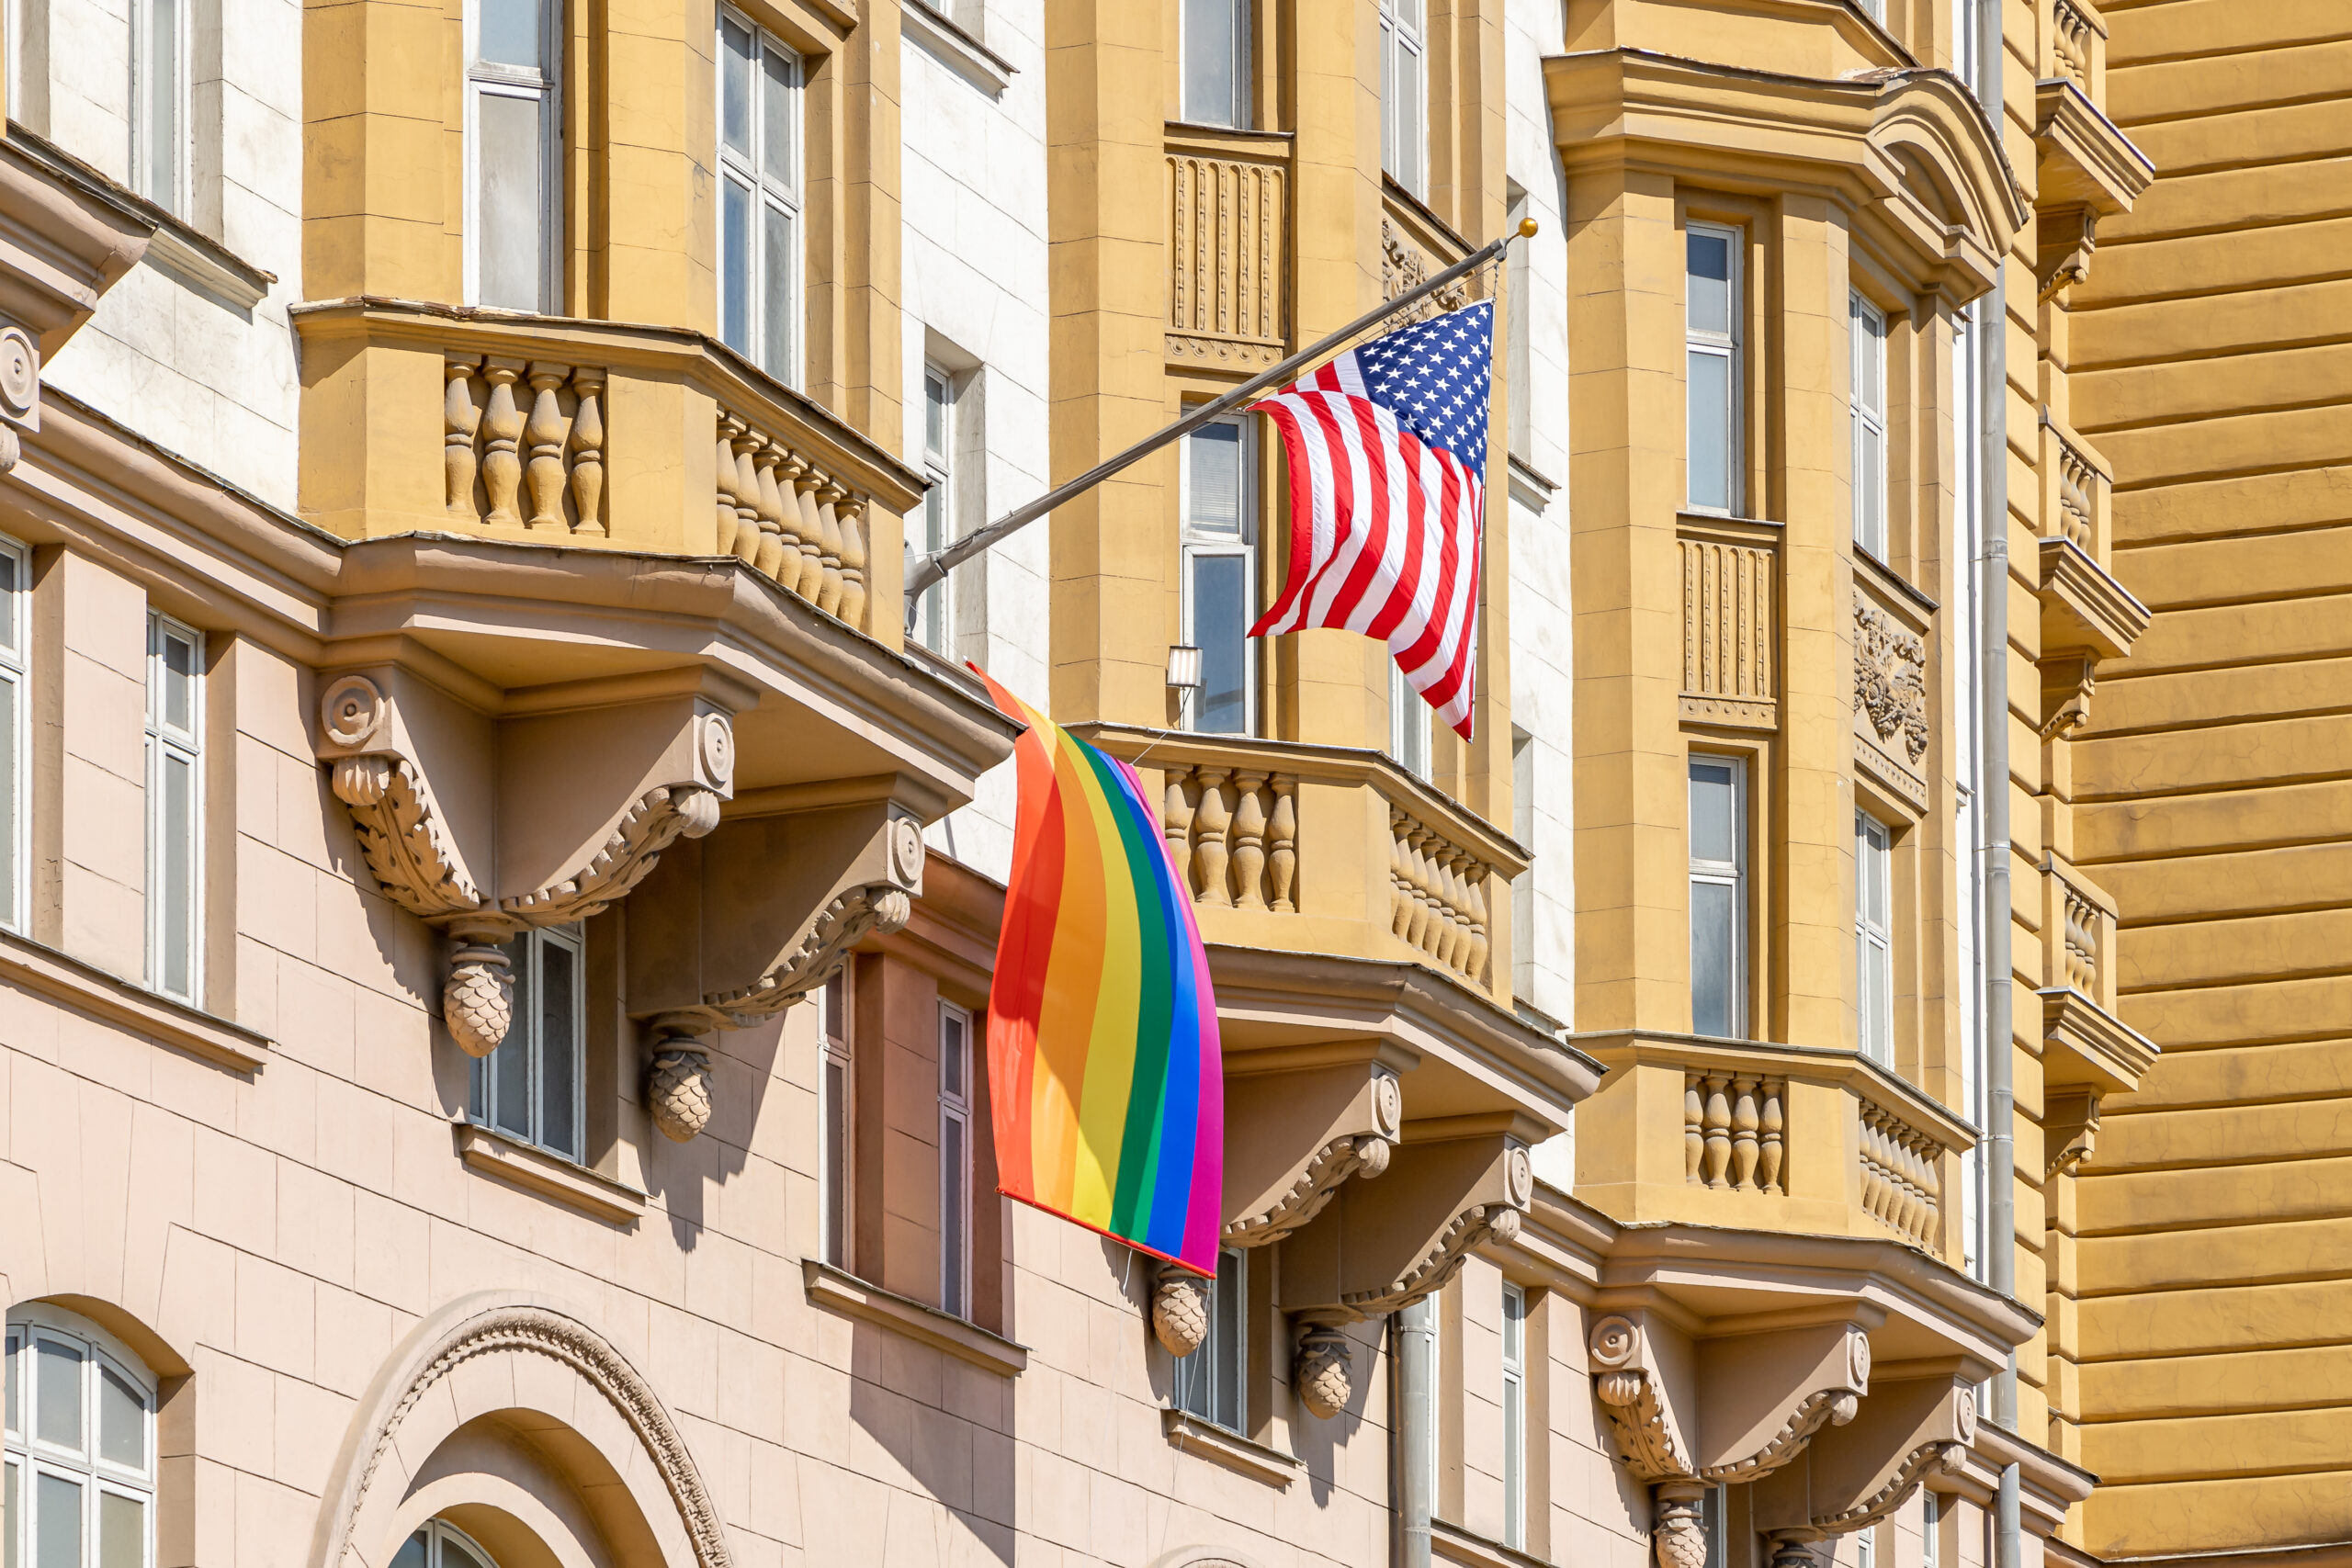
(510, 1063)
(510, 33)
(1871, 483)
(952, 1053)
(160, 103)
(1714, 804)
(1220, 628)
(934, 415)
(9, 572)
(779, 127)
(779, 295)
(12, 1414)
(412, 1553)
(57, 1391)
(122, 1420)
(455, 1554)
(1410, 128)
(179, 871)
(836, 1172)
(179, 681)
(1208, 62)
(9, 694)
(510, 257)
(1387, 93)
(12, 1502)
(1710, 433)
(951, 1206)
(122, 1532)
(559, 1047)
(57, 1521)
(1709, 270)
(1213, 461)
(1714, 957)
(735, 86)
(1228, 1303)
(735, 264)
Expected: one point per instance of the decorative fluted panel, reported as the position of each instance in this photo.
(1228, 222)
(1729, 671)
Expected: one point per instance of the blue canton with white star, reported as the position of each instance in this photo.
(1438, 377)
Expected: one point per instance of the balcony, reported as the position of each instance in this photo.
(1788, 1138)
(1328, 849)
(594, 434)
(2087, 1052)
(2085, 613)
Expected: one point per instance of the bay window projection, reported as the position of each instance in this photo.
(1215, 46)
(954, 1160)
(1711, 362)
(759, 198)
(931, 619)
(1404, 94)
(77, 1464)
(533, 1086)
(514, 164)
(1874, 940)
(1867, 332)
(1514, 1416)
(1220, 575)
(15, 727)
(1718, 897)
(836, 1088)
(175, 805)
(1211, 1381)
(159, 118)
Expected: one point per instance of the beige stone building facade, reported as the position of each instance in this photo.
(498, 888)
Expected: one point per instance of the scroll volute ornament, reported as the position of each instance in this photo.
(1295, 1134)
(1859, 1473)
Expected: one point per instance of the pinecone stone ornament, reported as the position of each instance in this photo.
(478, 1003)
(677, 1088)
(1180, 1310)
(1323, 1375)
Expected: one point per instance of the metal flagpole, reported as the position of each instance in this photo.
(927, 571)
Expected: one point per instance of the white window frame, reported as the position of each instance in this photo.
(1410, 735)
(1873, 938)
(447, 1546)
(748, 170)
(29, 1457)
(1195, 1388)
(1403, 46)
(146, 58)
(528, 954)
(1866, 333)
(934, 612)
(1242, 543)
(836, 1119)
(1729, 346)
(15, 676)
(167, 743)
(1732, 873)
(1866, 1547)
(1514, 1415)
(545, 87)
(1930, 1529)
(1237, 114)
(955, 1167)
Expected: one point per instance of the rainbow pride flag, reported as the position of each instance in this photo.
(1105, 1076)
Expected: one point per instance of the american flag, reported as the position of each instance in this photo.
(1387, 450)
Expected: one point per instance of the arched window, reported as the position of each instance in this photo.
(80, 1450)
(440, 1544)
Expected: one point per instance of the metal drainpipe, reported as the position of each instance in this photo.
(2000, 1198)
(1416, 1362)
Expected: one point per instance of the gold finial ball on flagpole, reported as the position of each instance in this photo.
(1527, 228)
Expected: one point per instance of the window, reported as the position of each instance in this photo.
(79, 1466)
(1216, 46)
(1711, 336)
(1930, 1523)
(835, 1087)
(438, 1544)
(531, 1087)
(759, 198)
(159, 102)
(1408, 724)
(939, 500)
(954, 1160)
(1514, 1416)
(1718, 897)
(1210, 1382)
(1874, 949)
(1866, 1547)
(1867, 331)
(510, 141)
(16, 725)
(1220, 538)
(174, 790)
(1404, 94)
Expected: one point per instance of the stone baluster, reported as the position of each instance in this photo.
(1694, 1128)
(460, 419)
(852, 513)
(723, 472)
(588, 451)
(811, 537)
(1176, 823)
(775, 554)
(1249, 840)
(1212, 822)
(1770, 1128)
(1746, 1121)
(545, 437)
(747, 445)
(1401, 902)
(1281, 839)
(1417, 879)
(1716, 1167)
(502, 466)
(1473, 878)
(829, 526)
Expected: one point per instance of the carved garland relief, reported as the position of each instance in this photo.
(1891, 679)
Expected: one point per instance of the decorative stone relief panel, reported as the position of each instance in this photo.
(1228, 233)
(1890, 700)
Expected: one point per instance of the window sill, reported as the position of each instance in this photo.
(1189, 1434)
(177, 247)
(576, 1187)
(841, 1291)
(39, 967)
(1454, 1545)
(956, 49)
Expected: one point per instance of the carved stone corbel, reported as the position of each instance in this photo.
(2069, 236)
(2069, 1127)
(1295, 1134)
(1905, 1430)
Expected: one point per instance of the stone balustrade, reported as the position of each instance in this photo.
(1901, 1185)
(1735, 1128)
(1233, 833)
(1437, 896)
(779, 511)
(523, 443)
(2078, 47)
(2079, 485)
